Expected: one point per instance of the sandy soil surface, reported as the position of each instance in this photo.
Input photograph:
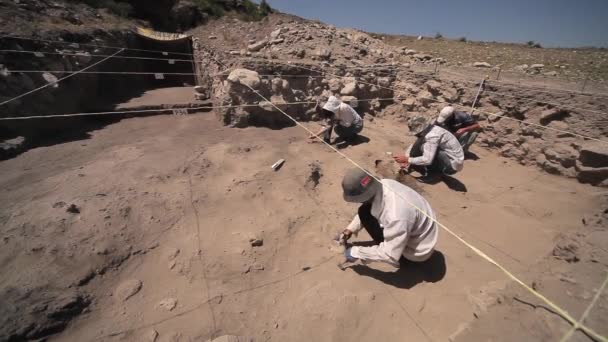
(160, 97)
(176, 200)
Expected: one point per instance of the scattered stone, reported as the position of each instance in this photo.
(550, 73)
(552, 114)
(276, 33)
(277, 41)
(73, 209)
(323, 53)
(50, 78)
(482, 65)
(128, 289)
(537, 66)
(212, 37)
(256, 241)
(168, 304)
(422, 57)
(522, 67)
(567, 250)
(257, 46)
(433, 87)
(152, 335)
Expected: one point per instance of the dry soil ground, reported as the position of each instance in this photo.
(185, 195)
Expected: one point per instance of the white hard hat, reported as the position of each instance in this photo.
(445, 113)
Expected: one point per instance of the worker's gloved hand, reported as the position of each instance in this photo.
(348, 256)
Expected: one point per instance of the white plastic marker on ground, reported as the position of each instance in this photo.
(61, 79)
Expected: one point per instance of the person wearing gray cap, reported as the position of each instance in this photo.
(391, 213)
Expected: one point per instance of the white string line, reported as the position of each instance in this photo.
(560, 105)
(94, 55)
(171, 109)
(446, 102)
(586, 313)
(291, 76)
(61, 79)
(473, 248)
(540, 89)
(502, 93)
(100, 72)
(93, 45)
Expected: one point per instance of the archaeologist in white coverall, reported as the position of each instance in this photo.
(435, 151)
(388, 214)
(341, 117)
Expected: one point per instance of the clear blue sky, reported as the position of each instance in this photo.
(553, 23)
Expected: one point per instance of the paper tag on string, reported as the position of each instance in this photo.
(159, 76)
(172, 61)
(38, 54)
(165, 53)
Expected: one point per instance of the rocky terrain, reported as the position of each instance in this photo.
(174, 228)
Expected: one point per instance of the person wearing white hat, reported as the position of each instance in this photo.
(341, 117)
(391, 213)
(435, 150)
(462, 124)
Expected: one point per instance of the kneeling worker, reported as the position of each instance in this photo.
(343, 117)
(435, 151)
(388, 214)
(462, 124)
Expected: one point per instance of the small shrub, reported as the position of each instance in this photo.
(265, 9)
(438, 35)
(534, 44)
(462, 39)
(211, 7)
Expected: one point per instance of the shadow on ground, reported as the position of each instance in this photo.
(410, 273)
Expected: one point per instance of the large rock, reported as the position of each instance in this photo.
(433, 86)
(594, 154)
(537, 66)
(245, 77)
(276, 33)
(323, 53)
(349, 89)
(592, 175)
(425, 98)
(257, 46)
(552, 114)
(562, 154)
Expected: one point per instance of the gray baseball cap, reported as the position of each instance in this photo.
(358, 186)
(417, 124)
